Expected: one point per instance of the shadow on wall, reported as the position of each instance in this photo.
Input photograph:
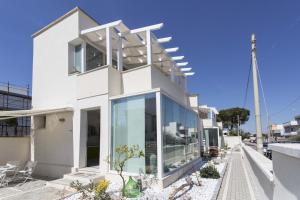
(287, 176)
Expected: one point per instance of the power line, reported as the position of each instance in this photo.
(247, 84)
(287, 106)
(264, 97)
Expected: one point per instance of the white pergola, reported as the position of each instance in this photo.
(136, 47)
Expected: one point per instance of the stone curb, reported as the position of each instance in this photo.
(218, 187)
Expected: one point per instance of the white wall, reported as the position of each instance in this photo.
(14, 148)
(51, 84)
(53, 147)
(136, 80)
(232, 141)
(159, 80)
(92, 83)
(286, 165)
(262, 168)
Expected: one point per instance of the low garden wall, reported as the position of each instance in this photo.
(14, 148)
(263, 171)
(286, 165)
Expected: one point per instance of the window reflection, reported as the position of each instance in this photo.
(134, 123)
(180, 135)
(94, 57)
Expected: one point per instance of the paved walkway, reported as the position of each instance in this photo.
(236, 184)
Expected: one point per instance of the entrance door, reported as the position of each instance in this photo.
(93, 138)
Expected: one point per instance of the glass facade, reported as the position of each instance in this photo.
(134, 123)
(180, 135)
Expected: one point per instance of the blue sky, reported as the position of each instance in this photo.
(214, 36)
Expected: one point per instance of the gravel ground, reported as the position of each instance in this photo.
(203, 192)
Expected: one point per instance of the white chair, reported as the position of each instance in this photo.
(3, 181)
(26, 174)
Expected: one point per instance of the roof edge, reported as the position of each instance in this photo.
(51, 24)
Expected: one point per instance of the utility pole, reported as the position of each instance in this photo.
(259, 141)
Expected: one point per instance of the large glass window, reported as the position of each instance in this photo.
(134, 123)
(180, 135)
(94, 57)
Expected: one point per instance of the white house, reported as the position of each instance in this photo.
(212, 129)
(97, 86)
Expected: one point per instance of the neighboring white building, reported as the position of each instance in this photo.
(276, 130)
(212, 129)
(96, 87)
(287, 129)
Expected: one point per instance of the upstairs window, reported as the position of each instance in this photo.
(94, 57)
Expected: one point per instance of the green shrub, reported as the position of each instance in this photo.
(210, 171)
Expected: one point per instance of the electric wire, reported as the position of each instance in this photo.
(247, 84)
(263, 94)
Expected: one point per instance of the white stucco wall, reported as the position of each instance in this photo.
(14, 148)
(136, 80)
(53, 147)
(286, 165)
(232, 141)
(51, 85)
(262, 169)
(92, 83)
(159, 80)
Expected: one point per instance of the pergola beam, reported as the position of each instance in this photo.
(189, 73)
(147, 28)
(186, 69)
(104, 26)
(182, 64)
(164, 40)
(177, 58)
(172, 50)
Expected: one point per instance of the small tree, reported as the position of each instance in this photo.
(124, 154)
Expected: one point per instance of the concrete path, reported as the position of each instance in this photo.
(236, 184)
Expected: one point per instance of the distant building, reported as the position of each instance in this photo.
(212, 129)
(291, 128)
(14, 97)
(276, 130)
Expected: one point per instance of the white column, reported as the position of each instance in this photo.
(149, 47)
(120, 55)
(108, 47)
(160, 156)
(32, 140)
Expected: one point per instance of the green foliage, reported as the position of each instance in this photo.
(210, 171)
(294, 138)
(229, 117)
(124, 154)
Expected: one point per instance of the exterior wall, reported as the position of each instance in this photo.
(159, 80)
(286, 164)
(209, 123)
(136, 80)
(193, 101)
(114, 82)
(80, 130)
(232, 141)
(262, 168)
(14, 148)
(92, 83)
(53, 147)
(51, 85)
